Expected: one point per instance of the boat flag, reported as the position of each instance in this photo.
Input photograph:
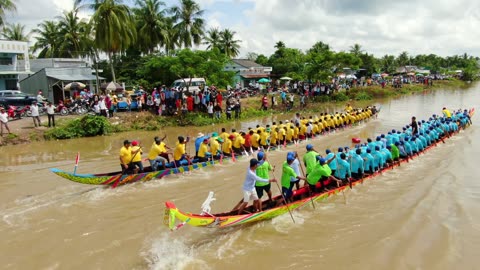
(77, 159)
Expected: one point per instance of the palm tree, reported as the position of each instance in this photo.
(75, 35)
(150, 22)
(171, 41)
(6, 5)
(189, 22)
(15, 31)
(48, 39)
(212, 38)
(356, 49)
(228, 44)
(114, 28)
(279, 45)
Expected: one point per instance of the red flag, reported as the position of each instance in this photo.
(77, 159)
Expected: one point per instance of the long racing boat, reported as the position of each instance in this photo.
(174, 218)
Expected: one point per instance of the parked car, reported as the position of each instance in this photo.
(15, 98)
(194, 84)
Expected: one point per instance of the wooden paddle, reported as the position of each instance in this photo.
(303, 172)
(283, 197)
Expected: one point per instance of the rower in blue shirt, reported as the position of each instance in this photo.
(368, 164)
(357, 164)
(343, 170)
(333, 163)
(377, 159)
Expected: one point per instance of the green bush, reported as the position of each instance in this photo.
(340, 97)
(87, 126)
(363, 96)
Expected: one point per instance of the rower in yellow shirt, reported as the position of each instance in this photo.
(289, 134)
(263, 138)
(137, 157)
(255, 140)
(126, 157)
(238, 144)
(224, 135)
(203, 153)
(227, 145)
(179, 154)
(274, 137)
(215, 147)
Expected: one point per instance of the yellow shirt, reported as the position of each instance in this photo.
(155, 150)
(224, 136)
(239, 141)
(273, 137)
(254, 139)
(295, 132)
(179, 151)
(202, 150)
(263, 138)
(214, 146)
(303, 130)
(138, 156)
(227, 145)
(281, 134)
(289, 134)
(125, 155)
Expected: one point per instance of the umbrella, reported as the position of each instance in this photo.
(264, 80)
(111, 86)
(74, 85)
(286, 79)
(384, 75)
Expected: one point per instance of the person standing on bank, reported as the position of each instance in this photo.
(35, 114)
(51, 114)
(3, 121)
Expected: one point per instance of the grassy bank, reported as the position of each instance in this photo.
(88, 126)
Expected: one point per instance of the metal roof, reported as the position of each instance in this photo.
(74, 77)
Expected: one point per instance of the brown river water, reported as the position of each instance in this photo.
(423, 215)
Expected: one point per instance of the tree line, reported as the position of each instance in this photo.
(149, 43)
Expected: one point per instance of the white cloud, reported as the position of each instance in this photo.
(442, 27)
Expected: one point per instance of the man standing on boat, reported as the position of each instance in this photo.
(249, 192)
(414, 126)
(289, 177)
(310, 159)
(262, 171)
(137, 157)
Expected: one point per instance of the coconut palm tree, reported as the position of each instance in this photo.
(228, 44)
(171, 40)
(75, 35)
(114, 28)
(15, 31)
(212, 38)
(189, 22)
(48, 39)
(356, 49)
(6, 5)
(150, 22)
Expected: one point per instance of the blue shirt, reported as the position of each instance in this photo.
(343, 169)
(198, 142)
(333, 163)
(250, 179)
(357, 163)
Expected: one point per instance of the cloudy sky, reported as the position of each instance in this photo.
(443, 27)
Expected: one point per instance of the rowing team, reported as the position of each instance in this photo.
(347, 164)
(229, 144)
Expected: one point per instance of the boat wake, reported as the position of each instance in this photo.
(168, 253)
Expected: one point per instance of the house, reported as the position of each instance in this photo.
(10, 67)
(52, 74)
(406, 69)
(247, 71)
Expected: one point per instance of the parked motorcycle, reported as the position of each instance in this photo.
(15, 112)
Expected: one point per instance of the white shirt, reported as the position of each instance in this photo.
(4, 117)
(40, 98)
(210, 108)
(34, 110)
(50, 109)
(101, 104)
